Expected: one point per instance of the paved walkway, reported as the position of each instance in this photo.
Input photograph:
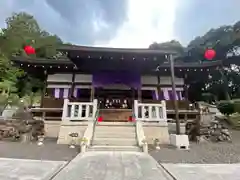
(204, 171)
(25, 169)
(113, 166)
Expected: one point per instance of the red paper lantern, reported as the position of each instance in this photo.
(100, 119)
(210, 54)
(29, 50)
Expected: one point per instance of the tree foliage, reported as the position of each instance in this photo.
(225, 40)
(22, 29)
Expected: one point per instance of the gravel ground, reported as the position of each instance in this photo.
(49, 151)
(203, 153)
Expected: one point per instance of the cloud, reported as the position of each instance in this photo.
(148, 21)
(75, 21)
(195, 18)
(125, 23)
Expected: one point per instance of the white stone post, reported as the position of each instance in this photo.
(65, 110)
(95, 107)
(136, 109)
(164, 110)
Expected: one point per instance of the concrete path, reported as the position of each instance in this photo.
(204, 171)
(113, 166)
(25, 169)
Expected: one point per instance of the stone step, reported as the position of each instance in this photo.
(113, 131)
(115, 128)
(115, 141)
(116, 124)
(114, 135)
(115, 148)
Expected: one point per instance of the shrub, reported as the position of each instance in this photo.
(226, 108)
(237, 106)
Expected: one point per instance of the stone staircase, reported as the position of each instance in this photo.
(115, 136)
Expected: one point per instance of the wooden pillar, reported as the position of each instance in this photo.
(158, 87)
(92, 93)
(44, 87)
(171, 59)
(139, 94)
(71, 94)
(185, 87)
(133, 93)
(225, 83)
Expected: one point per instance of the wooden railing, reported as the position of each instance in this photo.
(79, 111)
(150, 111)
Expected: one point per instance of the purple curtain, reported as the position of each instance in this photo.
(170, 94)
(154, 95)
(78, 93)
(58, 92)
(180, 95)
(161, 95)
(131, 79)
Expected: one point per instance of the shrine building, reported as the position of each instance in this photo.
(118, 85)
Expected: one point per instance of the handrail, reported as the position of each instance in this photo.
(142, 142)
(95, 122)
(141, 139)
(89, 134)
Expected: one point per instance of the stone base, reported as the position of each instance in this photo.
(158, 130)
(52, 128)
(179, 141)
(71, 127)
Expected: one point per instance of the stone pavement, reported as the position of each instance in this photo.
(25, 169)
(204, 171)
(113, 166)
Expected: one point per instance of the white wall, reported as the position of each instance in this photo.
(149, 80)
(59, 78)
(58, 86)
(85, 78)
(166, 80)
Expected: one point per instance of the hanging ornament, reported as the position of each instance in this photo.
(210, 54)
(29, 50)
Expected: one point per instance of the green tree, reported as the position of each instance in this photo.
(23, 29)
(171, 45)
(225, 40)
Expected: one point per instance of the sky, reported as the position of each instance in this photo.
(125, 23)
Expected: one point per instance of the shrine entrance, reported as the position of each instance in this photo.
(116, 97)
(116, 102)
